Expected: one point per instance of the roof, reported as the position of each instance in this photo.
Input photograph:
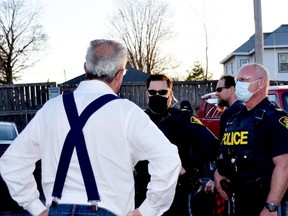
(132, 75)
(275, 39)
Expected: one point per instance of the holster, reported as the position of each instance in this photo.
(226, 164)
(190, 180)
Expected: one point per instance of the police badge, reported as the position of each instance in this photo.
(284, 121)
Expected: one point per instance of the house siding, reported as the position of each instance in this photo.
(232, 66)
(274, 43)
(270, 58)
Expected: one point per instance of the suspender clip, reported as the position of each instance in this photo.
(94, 206)
(54, 201)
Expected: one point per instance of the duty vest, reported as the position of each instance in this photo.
(245, 140)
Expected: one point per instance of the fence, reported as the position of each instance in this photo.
(20, 102)
(190, 90)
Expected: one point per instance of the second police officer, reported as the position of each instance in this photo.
(196, 144)
(253, 161)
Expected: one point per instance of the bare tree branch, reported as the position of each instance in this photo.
(21, 37)
(143, 26)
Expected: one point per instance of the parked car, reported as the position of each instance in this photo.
(210, 114)
(8, 132)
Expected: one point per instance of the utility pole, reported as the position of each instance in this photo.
(64, 75)
(206, 43)
(259, 46)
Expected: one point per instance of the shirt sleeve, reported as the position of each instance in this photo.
(278, 134)
(149, 143)
(204, 143)
(17, 165)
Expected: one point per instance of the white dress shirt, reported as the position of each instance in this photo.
(117, 136)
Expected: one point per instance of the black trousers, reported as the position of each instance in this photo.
(249, 199)
(202, 203)
(180, 205)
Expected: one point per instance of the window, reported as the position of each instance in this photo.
(243, 61)
(7, 132)
(211, 109)
(273, 98)
(283, 62)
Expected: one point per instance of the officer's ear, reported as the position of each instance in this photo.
(170, 98)
(262, 83)
(147, 96)
(170, 93)
(231, 90)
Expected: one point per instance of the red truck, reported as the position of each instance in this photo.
(209, 114)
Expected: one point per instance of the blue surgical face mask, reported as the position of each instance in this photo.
(242, 92)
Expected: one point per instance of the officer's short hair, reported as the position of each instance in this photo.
(228, 80)
(159, 77)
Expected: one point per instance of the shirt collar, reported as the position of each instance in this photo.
(94, 85)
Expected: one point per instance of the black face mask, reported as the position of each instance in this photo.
(158, 104)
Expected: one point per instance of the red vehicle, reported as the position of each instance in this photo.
(209, 113)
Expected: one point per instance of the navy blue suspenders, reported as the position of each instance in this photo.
(75, 138)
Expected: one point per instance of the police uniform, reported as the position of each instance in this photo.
(196, 146)
(251, 139)
(226, 115)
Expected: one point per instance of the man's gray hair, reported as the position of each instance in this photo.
(104, 59)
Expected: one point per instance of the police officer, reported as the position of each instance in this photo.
(253, 159)
(196, 144)
(227, 101)
(225, 91)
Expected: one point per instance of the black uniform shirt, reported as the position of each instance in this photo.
(227, 114)
(255, 137)
(196, 143)
(196, 146)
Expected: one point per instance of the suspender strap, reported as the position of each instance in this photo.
(75, 138)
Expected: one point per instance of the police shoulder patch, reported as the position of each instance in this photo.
(284, 121)
(195, 120)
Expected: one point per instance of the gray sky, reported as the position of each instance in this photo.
(71, 24)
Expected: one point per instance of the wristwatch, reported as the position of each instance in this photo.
(272, 207)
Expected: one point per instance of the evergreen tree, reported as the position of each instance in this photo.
(196, 73)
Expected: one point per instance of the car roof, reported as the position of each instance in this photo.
(209, 95)
(7, 123)
(278, 87)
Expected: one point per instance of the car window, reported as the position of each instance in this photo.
(211, 110)
(7, 132)
(273, 98)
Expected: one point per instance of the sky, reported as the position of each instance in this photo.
(71, 25)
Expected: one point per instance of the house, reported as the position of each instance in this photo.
(275, 55)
